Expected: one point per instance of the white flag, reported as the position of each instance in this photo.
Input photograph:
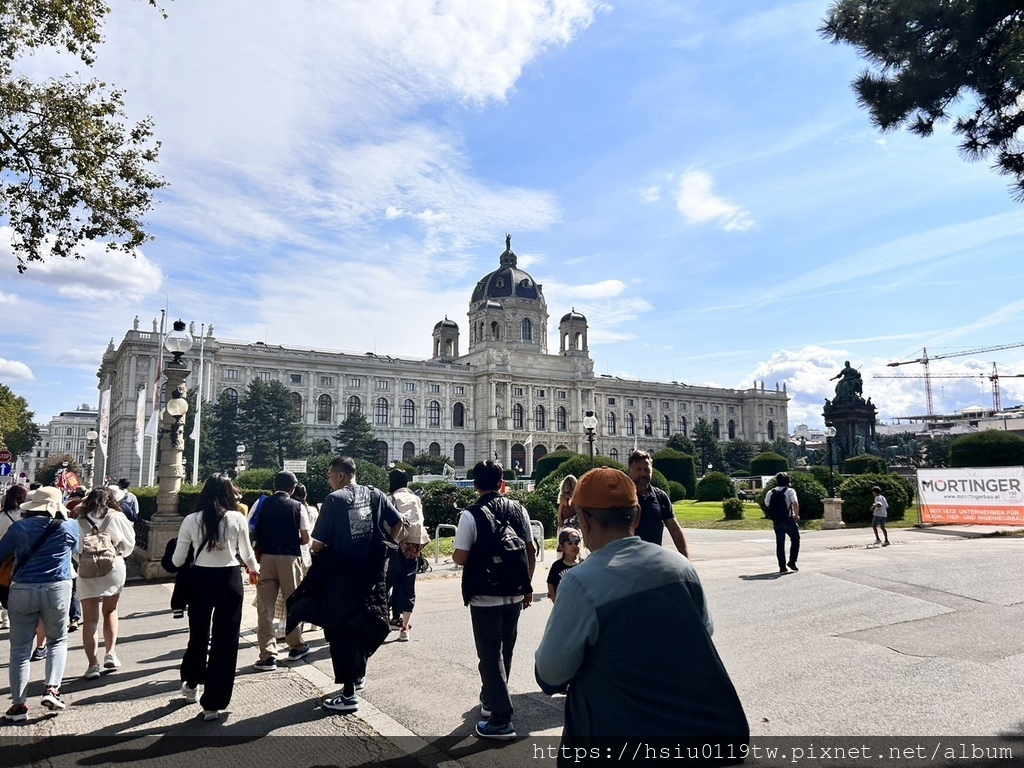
(140, 420)
(104, 420)
(529, 439)
(152, 427)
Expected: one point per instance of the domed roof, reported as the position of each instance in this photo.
(507, 281)
(573, 315)
(446, 323)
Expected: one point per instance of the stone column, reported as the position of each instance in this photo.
(833, 514)
(164, 524)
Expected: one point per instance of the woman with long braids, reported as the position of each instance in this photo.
(219, 535)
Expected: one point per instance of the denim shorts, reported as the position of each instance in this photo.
(878, 520)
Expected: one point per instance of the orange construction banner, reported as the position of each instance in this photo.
(972, 496)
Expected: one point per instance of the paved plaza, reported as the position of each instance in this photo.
(920, 638)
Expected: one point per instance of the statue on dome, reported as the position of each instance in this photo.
(508, 242)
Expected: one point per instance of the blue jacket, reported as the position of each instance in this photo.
(52, 561)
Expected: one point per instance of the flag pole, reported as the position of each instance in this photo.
(199, 407)
(155, 419)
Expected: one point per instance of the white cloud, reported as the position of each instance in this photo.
(8, 298)
(651, 194)
(699, 205)
(13, 369)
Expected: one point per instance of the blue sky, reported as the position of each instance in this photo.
(695, 177)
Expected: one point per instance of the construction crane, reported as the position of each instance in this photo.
(997, 402)
(924, 360)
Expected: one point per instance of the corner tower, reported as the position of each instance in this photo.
(507, 310)
(446, 340)
(572, 334)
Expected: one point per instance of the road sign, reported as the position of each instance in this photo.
(5, 457)
(295, 465)
(5, 469)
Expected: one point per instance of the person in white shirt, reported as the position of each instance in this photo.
(879, 514)
(219, 535)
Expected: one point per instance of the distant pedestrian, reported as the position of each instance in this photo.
(42, 543)
(130, 502)
(106, 536)
(403, 563)
(219, 535)
(605, 640)
(495, 544)
(784, 511)
(569, 545)
(10, 513)
(656, 512)
(879, 514)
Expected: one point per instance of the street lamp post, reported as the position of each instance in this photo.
(90, 456)
(590, 425)
(830, 432)
(240, 459)
(165, 522)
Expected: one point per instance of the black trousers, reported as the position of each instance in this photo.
(787, 527)
(494, 631)
(214, 620)
(401, 583)
(348, 656)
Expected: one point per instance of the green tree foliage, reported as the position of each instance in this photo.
(706, 447)
(318, 447)
(256, 479)
(732, 509)
(72, 170)
(271, 425)
(49, 469)
(768, 463)
(738, 454)
(678, 467)
(935, 451)
(676, 491)
(929, 59)
(857, 496)
(428, 464)
(809, 492)
(820, 473)
(444, 502)
(987, 449)
(541, 508)
(220, 437)
(715, 486)
(356, 439)
(17, 431)
(549, 464)
(680, 442)
(781, 446)
(864, 464)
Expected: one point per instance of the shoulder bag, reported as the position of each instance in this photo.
(10, 566)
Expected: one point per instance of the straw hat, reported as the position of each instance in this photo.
(46, 499)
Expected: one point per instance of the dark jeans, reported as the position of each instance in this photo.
(75, 612)
(494, 631)
(401, 583)
(215, 598)
(788, 527)
(348, 657)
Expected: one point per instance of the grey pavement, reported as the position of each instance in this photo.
(920, 638)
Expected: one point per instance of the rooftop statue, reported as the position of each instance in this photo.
(850, 385)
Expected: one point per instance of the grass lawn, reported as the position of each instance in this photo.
(708, 514)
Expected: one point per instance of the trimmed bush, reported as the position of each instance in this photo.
(715, 486)
(732, 509)
(739, 473)
(857, 496)
(809, 494)
(676, 491)
(549, 463)
(865, 464)
(987, 449)
(768, 463)
(677, 466)
(508, 474)
(580, 465)
(820, 474)
(541, 507)
(256, 479)
(444, 502)
(409, 469)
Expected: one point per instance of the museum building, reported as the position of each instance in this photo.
(497, 391)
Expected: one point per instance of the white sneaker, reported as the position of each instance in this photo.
(211, 714)
(110, 661)
(190, 694)
(93, 673)
(403, 636)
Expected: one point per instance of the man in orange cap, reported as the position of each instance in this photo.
(630, 635)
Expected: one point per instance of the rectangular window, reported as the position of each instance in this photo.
(611, 401)
(715, 409)
(355, 383)
(647, 403)
(732, 409)
(540, 393)
(457, 390)
(295, 378)
(231, 373)
(326, 381)
(682, 406)
(561, 395)
(410, 386)
(771, 411)
(629, 402)
(666, 405)
(383, 384)
(435, 388)
(700, 408)
(265, 375)
(518, 391)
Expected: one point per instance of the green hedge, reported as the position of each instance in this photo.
(865, 464)
(676, 491)
(768, 463)
(715, 486)
(820, 474)
(679, 467)
(857, 496)
(549, 463)
(580, 465)
(732, 509)
(809, 494)
(987, 449)
(256, 479)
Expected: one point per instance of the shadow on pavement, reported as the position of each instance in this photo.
(764, 576)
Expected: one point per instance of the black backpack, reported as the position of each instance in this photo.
(778, 506)
(502, 565)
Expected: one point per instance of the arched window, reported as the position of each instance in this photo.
(630, 425)
(355, 405)
(540, 418)
(324, 408)
(408, 413)
(716, 428)
(231, 394)
(67, 444)
(771, 430)
(539, 452)
(666, 426)
(519, 458)
(527, 329)
(611, 423)
(495, 330)
(613, 454)
(382, 453)
(562, 448)
(562, 419)
(297, 402)
(433, 414)
(517, 416)
(408, 451)
(70, 431)
(648, 425)
(732, 429)
(459, 416)
(682, 426)
(434, 449)
(480, 333)
(380, 412)
(459, 455)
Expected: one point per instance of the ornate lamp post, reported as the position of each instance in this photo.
(590, 426)
(164, 525)
(240, 460)
(90, 455)
(830, 432)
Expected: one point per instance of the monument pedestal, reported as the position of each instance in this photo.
(160, 532)
(833, 514)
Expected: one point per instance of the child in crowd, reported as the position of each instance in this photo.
(879, 514)
(569, 541)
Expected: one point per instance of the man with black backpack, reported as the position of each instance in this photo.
(495, 544)
(784, 510)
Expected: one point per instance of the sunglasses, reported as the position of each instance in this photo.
(572, 540)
